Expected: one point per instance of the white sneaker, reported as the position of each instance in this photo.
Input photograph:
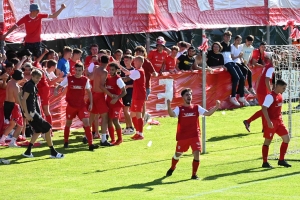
(13, 144)
(129, 131)
(243, 100)
(252, 91)
(234, 101)
(146, 118)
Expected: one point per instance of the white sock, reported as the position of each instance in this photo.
(137, 132)
(103, 137)
(141, 134)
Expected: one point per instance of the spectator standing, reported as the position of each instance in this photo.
(185, 62)
(158, 56)
(63, 64)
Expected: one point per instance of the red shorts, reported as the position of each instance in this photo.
(279, 128)
(184, 145)
(261, 98)
(137, 105)
(99, 103)
(15, 114)
(114, 113)
(45, 96)
(72, 112)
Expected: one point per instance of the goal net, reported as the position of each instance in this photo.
(286, 59)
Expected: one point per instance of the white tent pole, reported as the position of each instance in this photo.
(203, 98)
(148, 42)
(268, 34)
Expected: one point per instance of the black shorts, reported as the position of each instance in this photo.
(127, 100)
(39, 125)
(8, 108)
(34, 48)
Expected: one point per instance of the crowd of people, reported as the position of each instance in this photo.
(121, 82)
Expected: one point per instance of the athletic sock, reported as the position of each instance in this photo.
(283, 149)
(119, 134)
(174, 163)
(111, 131)
(3, 138)
(88, 134)
(140, 124)
(265, 152)
(28, 151)
(135, 123)
(53, 151)
(195, 166)
(66, 133)
(255, 116)
(103, 137)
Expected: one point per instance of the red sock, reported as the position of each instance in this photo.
(265, 152)
(195, 166)
(140, 124)
(283, 149)
(88, 134)
(255, 116)
(119, 134)
(174, 163)
(66, 133)
(135, 123)
(111, 131)
(49, 119)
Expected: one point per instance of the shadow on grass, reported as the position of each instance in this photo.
(273, 177)
(245, 171)
(226, 137)
(147, 185)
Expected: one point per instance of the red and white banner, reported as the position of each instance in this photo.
(109, 17)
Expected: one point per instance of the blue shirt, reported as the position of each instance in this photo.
(64, 66)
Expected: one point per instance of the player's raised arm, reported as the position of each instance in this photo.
(170, 111)
(211, 111)
(54, 15)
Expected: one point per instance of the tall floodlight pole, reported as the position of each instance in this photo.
(203, 98)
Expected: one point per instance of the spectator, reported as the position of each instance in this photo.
(108, 52)
(50, 55)
(214, 57)
(51, 77)
(27, 68)
(118, 55)
(183, 46)
(158, 56)
(235, 72)
(94, 51)
(63, 64)
(237, 56)
(258, 56)
(128, 52)
(186, 62)
(170, 62)
(199, 63)
(75, 59)
(248, 49)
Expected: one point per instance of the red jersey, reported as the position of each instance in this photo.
(257, 56)
(139, 86)
(267, 72)
(43, 83)
(33, 27)
(188, 121)
(87, 60)
(72, 66)
(148, 69)
(274, 103)
(170, 63)
(113, 84)
(76, 91)
(157, 59)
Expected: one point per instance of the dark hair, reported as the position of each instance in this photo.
(51, 63)
(15, 61)
(94, 45)
(9, 65)
(238, 37)
(113, 64)
(17, 75)
(250, 38)
(128, 50)
(79, 65)
(51, 51)
(104, 59)
(10, 54)
(44, 63)
(77, 51)
(192, 48)
(182, 44)
(141, 49)
(185, 91)
(228, 33)
(217, 43)
(263, 43)
(128, 56)
(281, 82)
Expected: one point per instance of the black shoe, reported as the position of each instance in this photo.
(93, 146)
(283, 163)
(66, 145)
(169, 172)
(195, 177)
(267, 165)
(107, 136)
(106, 144)
(262, 130)
(84, 140)
(247, 125)
(93, 132)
